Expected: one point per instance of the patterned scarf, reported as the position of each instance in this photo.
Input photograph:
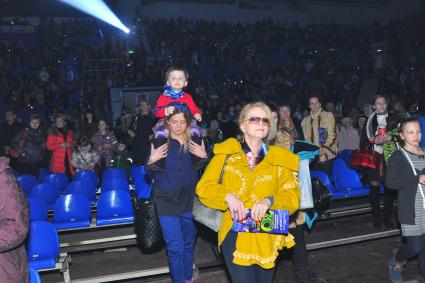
(254, 159)
(171, 93)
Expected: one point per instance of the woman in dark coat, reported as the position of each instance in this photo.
(14, 221)
(374, 135)
(30, 147)
(143, 129)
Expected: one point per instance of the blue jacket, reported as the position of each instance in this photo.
(175, 186)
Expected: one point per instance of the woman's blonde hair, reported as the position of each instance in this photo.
(186, 134)
(262, 106)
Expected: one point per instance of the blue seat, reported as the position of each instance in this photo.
(87, 175)
(114, 207)
(27, 182)
(83, 187)
(138, 172)
(72, 211)
(143, 188)
(38, 209)
(42, 245)
(59, 179)
(115, 184)
(114, 173)
(337, 165)
(34, 276)
(323, 177)
(348, 181)
(346, 156)
(47, 192)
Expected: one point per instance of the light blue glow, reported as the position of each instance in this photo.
(98, 9)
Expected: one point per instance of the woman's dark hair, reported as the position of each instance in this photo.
(83, 141)
(379, 96)
(403, 123)
(35, 117)
(318, 97)
(94, 119)
(54, 130)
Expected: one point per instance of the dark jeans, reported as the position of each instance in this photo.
(415, 246)
(239, 273)
(179, 233)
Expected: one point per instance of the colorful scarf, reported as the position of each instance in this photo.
(171, 93)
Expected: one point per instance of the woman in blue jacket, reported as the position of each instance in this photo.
(174, 192)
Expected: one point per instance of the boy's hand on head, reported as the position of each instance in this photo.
(169, 110)
(198, 117)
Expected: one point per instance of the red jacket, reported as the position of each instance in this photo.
(57, 163)
(163, 101)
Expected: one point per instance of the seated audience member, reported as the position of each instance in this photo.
(85, 155)
(348, 136)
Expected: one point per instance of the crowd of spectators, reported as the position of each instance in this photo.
(229, 64)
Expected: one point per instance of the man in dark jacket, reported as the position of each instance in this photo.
(141, 132)
(8, 130)
(14, 220)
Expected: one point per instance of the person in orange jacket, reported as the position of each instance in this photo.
(60, 142)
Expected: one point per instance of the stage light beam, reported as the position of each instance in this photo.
(98, 9)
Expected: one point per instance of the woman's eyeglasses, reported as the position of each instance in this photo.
(254, 120)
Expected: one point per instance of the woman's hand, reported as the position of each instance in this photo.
(422, 179)
(236, 207)
(382, 138)
(260, 208)
(157, 153)
(198, 150)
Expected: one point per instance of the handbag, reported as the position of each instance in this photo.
(146, 224)
(208, 216)
(306, 200)
(321, 195)
(365, 158)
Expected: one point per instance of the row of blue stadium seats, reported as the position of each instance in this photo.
(61, 180)
(50, 191)
(73, 210)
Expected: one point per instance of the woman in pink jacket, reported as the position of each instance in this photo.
(14, 221)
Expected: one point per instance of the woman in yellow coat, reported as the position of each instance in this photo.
(256, 177)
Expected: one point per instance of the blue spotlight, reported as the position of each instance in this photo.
(98, 9)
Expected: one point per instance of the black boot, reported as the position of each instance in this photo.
(389, 197)
(299, 255)
(376, 206)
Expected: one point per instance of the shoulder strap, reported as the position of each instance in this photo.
(414, 172)
(410, 161)
(220, 180)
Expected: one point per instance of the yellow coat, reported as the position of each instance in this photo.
(275, 175)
